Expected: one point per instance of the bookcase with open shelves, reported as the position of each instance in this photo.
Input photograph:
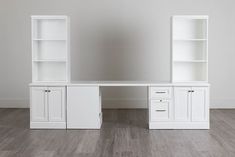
(190, 48)
(50, 49)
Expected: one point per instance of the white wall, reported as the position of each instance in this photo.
(116, 40)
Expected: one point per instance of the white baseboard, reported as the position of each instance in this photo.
(222, 103)
(14, 103)
(124, 103)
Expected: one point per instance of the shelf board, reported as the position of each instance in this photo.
(44, 60)
(190, 61)
(49, 39)
(190, 39)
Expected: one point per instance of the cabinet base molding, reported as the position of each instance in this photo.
(179, 125)
(48, 125)
(85, 127)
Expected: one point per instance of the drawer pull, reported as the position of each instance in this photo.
(160, 110)
(160, 92)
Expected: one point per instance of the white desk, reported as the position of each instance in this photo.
(170, 105)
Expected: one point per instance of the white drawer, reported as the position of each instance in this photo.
(160, 92)
(160, 110)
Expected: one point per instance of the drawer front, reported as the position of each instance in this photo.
(160, 110)
(160, 92)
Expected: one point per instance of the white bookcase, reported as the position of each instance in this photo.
(190, 48)
(50, 49)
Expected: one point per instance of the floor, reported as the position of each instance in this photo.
(124, 133)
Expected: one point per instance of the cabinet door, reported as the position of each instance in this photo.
(182, 98)
(200, 104)
(56, 102)
(38, 107)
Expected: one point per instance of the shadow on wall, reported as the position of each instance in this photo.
(110, 51)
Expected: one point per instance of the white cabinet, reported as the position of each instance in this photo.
(191, 104)
(84, 107)
(187, 109)
(47, 107)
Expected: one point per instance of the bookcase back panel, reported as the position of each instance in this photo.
(50, 50)
(50, 29)
(184, 28)
(46, 71)
(190, 72)
(189, 50)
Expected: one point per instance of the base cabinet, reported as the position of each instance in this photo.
(190, 110)
(47, 108)
(84, 107)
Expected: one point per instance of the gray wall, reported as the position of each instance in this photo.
(116, 40)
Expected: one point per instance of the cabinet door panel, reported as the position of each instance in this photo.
(200, 104)
(83, 107)
(56, 102)
(39, 108)
(182, 103)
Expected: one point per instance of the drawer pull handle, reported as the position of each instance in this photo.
(191, 91)
(160, 92)
(160, 110)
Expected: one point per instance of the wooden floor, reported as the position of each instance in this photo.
(124, 133)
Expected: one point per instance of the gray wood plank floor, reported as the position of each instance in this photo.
(124, 133)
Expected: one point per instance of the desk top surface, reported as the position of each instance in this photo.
(119, 83)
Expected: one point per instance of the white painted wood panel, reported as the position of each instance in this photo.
(83, 107)
(182, 103)
(160, 92)
(39, 105)
(200, 105)
(56, 101)
(160, 110)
